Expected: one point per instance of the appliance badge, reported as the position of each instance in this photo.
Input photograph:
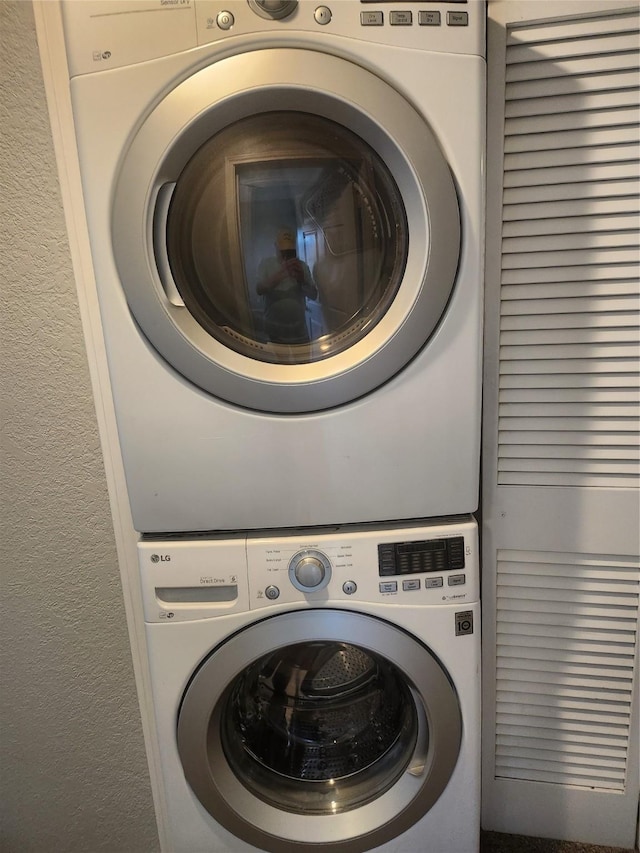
(464, 622)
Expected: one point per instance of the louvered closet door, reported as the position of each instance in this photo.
(561, 511)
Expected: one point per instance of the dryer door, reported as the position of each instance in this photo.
(286, 230)
(327, 729)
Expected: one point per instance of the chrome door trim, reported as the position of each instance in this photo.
(269, 828)
(322, 84)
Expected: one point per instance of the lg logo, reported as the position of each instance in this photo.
(161, 558)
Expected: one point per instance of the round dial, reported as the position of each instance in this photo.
(310, 570)
(273, 8)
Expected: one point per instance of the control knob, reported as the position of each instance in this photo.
(310, 570)
(273, 9)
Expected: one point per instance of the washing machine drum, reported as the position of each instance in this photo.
(319, 741)
(319, 727)
(286, 230)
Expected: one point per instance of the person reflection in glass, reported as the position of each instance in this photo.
(285, 282)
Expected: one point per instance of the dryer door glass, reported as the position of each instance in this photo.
(286, 230)
(319, 727)
(286, 237)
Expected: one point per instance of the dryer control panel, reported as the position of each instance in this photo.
(409, 566)
(102, 35)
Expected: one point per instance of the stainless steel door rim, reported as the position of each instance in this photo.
(341, 91)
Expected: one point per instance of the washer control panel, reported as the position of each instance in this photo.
(398, 565)
(185, 579)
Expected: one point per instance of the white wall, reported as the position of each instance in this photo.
(74, 773)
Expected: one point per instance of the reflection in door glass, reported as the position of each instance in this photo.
(285, 284)
(319, 727)
(287, 237)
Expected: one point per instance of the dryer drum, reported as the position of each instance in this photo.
(319, 726)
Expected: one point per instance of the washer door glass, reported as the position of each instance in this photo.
(319, 728)
(286, 237)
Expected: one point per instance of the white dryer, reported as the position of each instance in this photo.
(319, 691)
(285, 209)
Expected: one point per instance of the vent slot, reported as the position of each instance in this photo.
(569, 389)
(566, 633)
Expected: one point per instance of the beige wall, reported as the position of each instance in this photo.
(74, 775)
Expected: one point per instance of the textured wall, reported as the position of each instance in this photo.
(74, 774)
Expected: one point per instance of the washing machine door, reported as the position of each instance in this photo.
(286, 230)
(323, 729)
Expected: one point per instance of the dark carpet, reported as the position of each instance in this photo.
(496, 842)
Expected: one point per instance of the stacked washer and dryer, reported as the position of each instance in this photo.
(285, 208)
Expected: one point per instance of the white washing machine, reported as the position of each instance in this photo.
(319, 691)
(285, 209)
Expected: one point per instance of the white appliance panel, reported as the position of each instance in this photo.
(448, 631)
(409, 448)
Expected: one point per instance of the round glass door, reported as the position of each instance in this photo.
(286, 237)
(321, 728)
(286, 230)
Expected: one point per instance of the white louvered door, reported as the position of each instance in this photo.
(561, 573)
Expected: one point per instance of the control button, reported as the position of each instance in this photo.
(389, 586)
(412, 584)
(429, 19)
(349, 587)
(458, 19)
(400, 19)
(272, 592)
(430, 583)
(371, 19)
(456, 580)
(225, 20)
(322, 15)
